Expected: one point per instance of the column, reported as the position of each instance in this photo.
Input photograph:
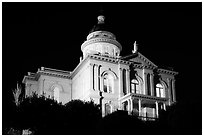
(164, 106)
(152, 84)
(173, 90)
(169, 90)
(128, 106)
(139, 106)
(157, 109)
(120, 82)
(128, 80)
(131, 105)
(91, 76)
(96, 77)
(153, 113)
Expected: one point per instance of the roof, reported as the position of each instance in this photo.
(46, 71)
(141, 59)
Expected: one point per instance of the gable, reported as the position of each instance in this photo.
(141, 60)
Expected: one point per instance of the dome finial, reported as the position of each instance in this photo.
(101, 19)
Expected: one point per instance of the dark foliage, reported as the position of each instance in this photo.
(120, 122)
(44, 116)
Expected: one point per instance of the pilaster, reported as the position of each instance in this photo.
(43, 87)
(152, 84)
(91, 76)
(145, 82)
(128, 80)
(173, 90)
(99, 78)
(120, 82)
(95, 77)
(169, 90)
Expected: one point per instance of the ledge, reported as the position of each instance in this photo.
(167, 71)
(143, 97)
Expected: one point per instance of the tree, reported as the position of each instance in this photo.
(46, 116)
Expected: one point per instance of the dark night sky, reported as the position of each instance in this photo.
(51, 34)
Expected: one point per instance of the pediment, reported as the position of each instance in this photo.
(141, 60)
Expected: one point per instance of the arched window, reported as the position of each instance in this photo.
(108, 82)
(160, 90)
(135, 86)
(56, 93)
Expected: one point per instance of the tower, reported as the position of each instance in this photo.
(100, 41)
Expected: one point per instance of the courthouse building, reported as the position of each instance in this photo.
(132, 83)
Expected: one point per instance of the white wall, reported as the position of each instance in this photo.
(47, 83)
(31, 86)
(81, 83)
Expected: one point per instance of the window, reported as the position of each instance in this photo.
(56, 93)
(135, 86)
(108, 82)
(106, 50)
(125, 106)
(107, 108)
(160, 91)
(124, 82)
(148, 85)
(113, 51)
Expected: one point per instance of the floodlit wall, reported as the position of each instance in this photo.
(81, 82)
(31, 87)
(49, 83)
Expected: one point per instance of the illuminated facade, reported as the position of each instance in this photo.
(132, 83)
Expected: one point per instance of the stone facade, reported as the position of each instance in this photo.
(132, 83)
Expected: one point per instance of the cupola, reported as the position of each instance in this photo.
(100, 41)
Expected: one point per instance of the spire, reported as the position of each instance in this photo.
(135, 47)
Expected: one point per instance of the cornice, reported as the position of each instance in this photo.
(28, 78)
(55, 70)
(48, 72)
(167, 71)
(53, 74)
(150, 65)
(111, 59)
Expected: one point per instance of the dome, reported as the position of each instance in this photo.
(101, 41)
